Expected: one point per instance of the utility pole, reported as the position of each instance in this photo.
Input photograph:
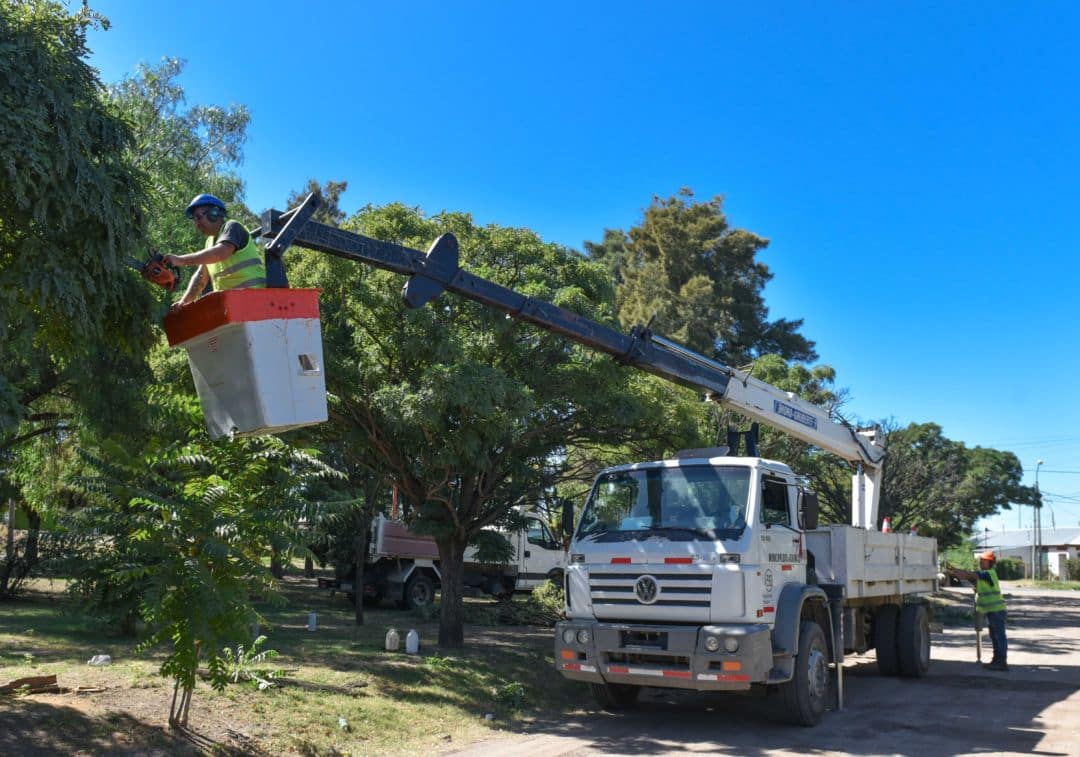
(1037, 552)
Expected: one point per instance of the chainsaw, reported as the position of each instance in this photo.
(156, 271)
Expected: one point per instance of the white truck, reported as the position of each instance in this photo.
(403, 566)
(710, 572)
(707, 571)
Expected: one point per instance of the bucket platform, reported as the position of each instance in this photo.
(256, 357)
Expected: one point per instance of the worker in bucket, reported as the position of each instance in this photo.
(990, 602)
(230, 259)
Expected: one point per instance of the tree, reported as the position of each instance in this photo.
(71, 210)
(932, 483)
(329, 210)
(699, 277)
(180, 532)
(461, 407)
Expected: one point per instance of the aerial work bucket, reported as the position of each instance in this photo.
(256, 357)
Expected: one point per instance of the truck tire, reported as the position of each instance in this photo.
(807, 693)
(556, 577)
(419, 591)
(886, 620)
(615, 696)
(913, 641)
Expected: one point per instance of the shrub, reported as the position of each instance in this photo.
(1010, 568)
(1072, 569)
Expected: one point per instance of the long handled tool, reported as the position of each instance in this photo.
(980, 623)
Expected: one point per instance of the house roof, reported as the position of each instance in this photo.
(1051, 537)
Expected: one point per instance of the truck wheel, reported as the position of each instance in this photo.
(615, 696)
(913, 641)
(885, 623)
(419, 591)
(807, 693)
(556, 577)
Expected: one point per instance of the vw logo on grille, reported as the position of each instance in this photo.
(646, 590)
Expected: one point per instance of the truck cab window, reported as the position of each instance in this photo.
(774, 503)
(539, 535)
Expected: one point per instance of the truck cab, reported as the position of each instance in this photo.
(715, 539)
(539, 555)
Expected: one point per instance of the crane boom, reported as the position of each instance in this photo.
(438, 270)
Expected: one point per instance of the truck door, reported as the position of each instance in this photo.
(780, 541)
(540, 553)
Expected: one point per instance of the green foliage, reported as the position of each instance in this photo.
(961, 555)
(1072, 569)
(460, 406)
(181, 533)
(437, 662)
(933, 483)
(1009, 569)
(329, 211)
(245, 664)
(71, 210)
(699, 277)
(511, 695)
(185, 150)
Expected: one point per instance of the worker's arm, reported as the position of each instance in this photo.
(195, 286)
(963, 575)
(215, 254)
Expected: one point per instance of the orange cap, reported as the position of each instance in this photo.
(988, 555)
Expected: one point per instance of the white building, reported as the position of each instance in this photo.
(1058, 545)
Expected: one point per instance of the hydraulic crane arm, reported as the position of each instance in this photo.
(438, 270)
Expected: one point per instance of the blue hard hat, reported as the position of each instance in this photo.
(203, 199)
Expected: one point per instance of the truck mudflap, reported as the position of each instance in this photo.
(713, 657)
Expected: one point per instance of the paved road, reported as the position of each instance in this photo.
(958, 709)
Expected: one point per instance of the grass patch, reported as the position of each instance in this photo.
(391, 703)
(1056, 585)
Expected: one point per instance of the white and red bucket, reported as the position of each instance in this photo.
(256, 357)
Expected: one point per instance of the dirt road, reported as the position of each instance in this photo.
(958, 709)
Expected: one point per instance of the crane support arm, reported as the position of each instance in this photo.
(437, 270)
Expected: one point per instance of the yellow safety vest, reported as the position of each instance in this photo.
(988, 595)
(243, 269)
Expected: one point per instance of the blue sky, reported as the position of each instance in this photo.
(915, 166)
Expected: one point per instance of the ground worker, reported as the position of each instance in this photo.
(989, 602)
(230, 259)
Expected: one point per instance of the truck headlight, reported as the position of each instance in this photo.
(568, 636)
(583, 636)
(731, 644)
(712, 643)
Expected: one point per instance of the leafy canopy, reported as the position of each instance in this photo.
(460, 406)
(71, 210)
(699, 277)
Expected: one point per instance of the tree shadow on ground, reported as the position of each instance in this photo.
(36, 727)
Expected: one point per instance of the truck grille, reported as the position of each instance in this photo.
(667, 589)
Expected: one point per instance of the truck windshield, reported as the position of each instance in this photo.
(682, 503)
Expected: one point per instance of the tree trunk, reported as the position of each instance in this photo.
(451, 607)
(359, 560)
(277, 570)
(33, 530)
(309, 567)
(10, 529)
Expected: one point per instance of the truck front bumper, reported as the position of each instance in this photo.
(664, 656)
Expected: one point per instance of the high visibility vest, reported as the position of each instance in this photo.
(243, 269)
(988, 595)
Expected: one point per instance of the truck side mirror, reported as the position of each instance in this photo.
(567, 519)
(808, 510)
